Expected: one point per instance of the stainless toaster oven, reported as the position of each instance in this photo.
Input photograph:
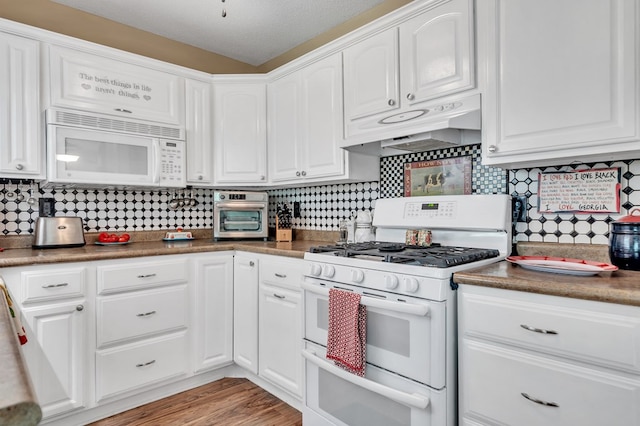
(240, 215)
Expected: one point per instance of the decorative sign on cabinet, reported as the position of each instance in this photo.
(95, 83)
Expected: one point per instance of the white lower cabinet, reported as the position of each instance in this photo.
(213, 311)
(141, 323)
(56, 313)
(280, 324)
(531, 360)
(245, 311)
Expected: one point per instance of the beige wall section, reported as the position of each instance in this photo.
(75, 23)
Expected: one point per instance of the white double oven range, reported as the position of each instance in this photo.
(411, 371)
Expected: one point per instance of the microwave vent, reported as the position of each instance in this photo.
(93, 121)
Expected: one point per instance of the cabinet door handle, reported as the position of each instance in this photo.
(146, 276)
(538, 330)
(297, 173)
(539, 401)
(144, 364)
(391, 102)
(304, 173)
(252, 263)
(55, 285)
(410, 96)
(19, 167)
(79, 308)
(124, 110)
(492, 148)
(278, 296)
(146, 314)
(280, 275)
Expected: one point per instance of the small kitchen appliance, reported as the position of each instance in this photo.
(240, 215)
(624, 246)
(58, 232)
(411, 374)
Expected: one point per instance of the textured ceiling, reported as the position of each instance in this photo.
(253, 31)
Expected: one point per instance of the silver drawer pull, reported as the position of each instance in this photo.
(146, 276)
(146, 314)
(538, 330)
(280, 275)
(278, 296)
(146, 363)
(539, 401)
(55, 285)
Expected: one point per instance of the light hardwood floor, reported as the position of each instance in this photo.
(230, 401)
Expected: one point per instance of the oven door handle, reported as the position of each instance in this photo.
(405, 308)
(415, 400)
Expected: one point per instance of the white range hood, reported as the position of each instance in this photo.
(444, 124)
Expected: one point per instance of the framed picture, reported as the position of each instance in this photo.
(448, 176)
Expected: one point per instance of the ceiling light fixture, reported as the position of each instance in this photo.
(224, 11)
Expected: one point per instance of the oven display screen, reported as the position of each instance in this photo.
(430, 206)
(237, 196)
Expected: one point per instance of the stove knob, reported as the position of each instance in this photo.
(411, 284)
(390, 281)
(357, 275)
(315, 270)
(328, 271)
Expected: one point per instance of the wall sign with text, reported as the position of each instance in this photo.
(582, 191)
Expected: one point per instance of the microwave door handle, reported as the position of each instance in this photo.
(409, 399)
(405, 308)
(155, 145)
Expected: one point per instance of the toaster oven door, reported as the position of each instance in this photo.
(240, 220)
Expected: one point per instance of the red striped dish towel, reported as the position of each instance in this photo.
(347, 339)
(22, 336)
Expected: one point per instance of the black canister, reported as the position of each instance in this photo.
(624, 244)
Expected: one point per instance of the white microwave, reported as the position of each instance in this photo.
(87, 150)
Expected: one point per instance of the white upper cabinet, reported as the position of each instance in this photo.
(423, 58)
(560, 81)
(240, 132)
(96, 83)
(199, 132)
(21, 150)
(305, 127)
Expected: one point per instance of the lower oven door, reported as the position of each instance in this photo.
(405, 335)
(337, 397)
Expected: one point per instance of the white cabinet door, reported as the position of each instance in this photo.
(240, 133)
(371, 75)
(559, 86)
(21, 148)
(97, 83)
(285, 142)
(281, 337)
(245, 311)
(56, 355)
(213, 311)
(436, 52)
(322, 118)
(199, 133)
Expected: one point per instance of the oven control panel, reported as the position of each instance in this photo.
(430, 210)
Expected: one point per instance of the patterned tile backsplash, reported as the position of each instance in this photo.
(321, 207)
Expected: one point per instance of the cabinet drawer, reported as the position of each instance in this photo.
(593, 332)
(47, 284)
(133, 366)
(493, 381)
(282, 272)
(141, 313)
(138, 275)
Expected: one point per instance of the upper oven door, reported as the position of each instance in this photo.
(404, 334)
(93, 157)
(240, 219)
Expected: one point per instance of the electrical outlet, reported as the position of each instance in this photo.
(519, 208)
(296, 209)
